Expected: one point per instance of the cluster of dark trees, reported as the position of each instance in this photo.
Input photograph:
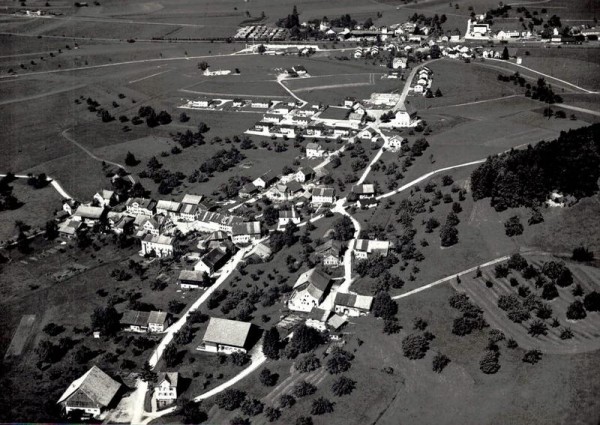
(221, 161)
(290, 21)
(166, 180)
(152, 118)
(570, 164)
(472, 316)
(190, 138)
(7, 200)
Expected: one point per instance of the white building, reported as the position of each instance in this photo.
(313, 150)
(161, 246)
(243, 233)
(363, 248)
(323, 195)
(226, 336)
(165, 390)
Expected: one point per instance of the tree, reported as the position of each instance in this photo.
(549, 292)
(343, 229)
(582, 254)
(489, 363)
(440, 361)
(505, 55)
(438, 93)
(185, 335)
(183, 117)
(230, 399)
(576, 311)
(532, 356)
(304, 420)
(415, 346)
(164, 118)
(339, 361)
(537, 328)
(307, 363)
(147, 374)
(343, 386)
(286, 400)
(51, 231)
(203, 66)
(170, 354)
(270, 346)
(303, 389)
(591, 301)
(517, 262)
(448, 235)
(305, 339)
(272, 413)
(191, 411)
(320, 406)
(384, 306)
(252, 407)
(267, 378)
(106, 320)
(130, 160)
(513, 226)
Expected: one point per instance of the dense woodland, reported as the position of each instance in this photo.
(570, 165)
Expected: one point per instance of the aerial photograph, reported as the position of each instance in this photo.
(300, 212)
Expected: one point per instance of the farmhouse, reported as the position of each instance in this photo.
(287, 216)
(368, 134)
(406, 116)
(334, 116)
(367, 203)
(248, 190)
(394, 143)
(263, 251)
(140, 206)
(211, 221)
(266, 180)
(315, 130)
(317, 319)
(226, 336)
(365, 248)
(89, 215)
(168, 208)
(91, 393)
(330, 253)
(191, 279)
(349, 101)
(312, 290)
(68, 228)
(313, 150)
(212, 261)
(161, 246)
(70, 205)
(352, 304)
(323, 195)
(304, 174)
(144, 321)
(300, 70)
(364, 191)
(106, 198)
(274, 118)
(243, 233)
(263, 126)
(165, 389)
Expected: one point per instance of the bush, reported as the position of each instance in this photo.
(239, 359)
(517, 262)
(566, 333)
(252, 407)
(448, 235)
(532, 356)
(320, 406)
(307, 363)
(343, 386)
(286, 400)
(440, 361)
(582, 254)
(549, 292)
(303, 389)
(537, 328)
(230, 399)
(339, 361)
(384, 306)
(591, 301)
(513, 226)
(415, 346)
(489, 363)
(267, 378)
(501, 271)
(304, 420)
(576, 311)
(272, 414)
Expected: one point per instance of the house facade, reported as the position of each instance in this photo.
(165, 390)
(161, 246)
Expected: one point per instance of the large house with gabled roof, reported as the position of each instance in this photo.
(226, 336)
(90, 394)
(312, 289)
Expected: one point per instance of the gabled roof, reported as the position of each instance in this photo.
(269, 176)
(87, 211)
(323, 191)
(171, 377)
(307, 171)
(191, 199)
(249, 228)
(331, 244)
(336, 321)
(158, 239)
(213, 257)
(142, 202)
(168, 205)
(318, 283)
(364, 189)
(288, 213)
(190, 275)
(96, 385)
(294, 186)
(159, 317)
(314, 146)
(227, 332)
(135, 318)
(362, 302)
(249, 188)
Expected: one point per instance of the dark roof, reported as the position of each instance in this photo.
(331, 244)
(318, 283)
(171, 377)
(135, 318)
(294, 186)
(335, 113)
(213, 257)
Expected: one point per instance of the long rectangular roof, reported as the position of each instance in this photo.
(227, 332)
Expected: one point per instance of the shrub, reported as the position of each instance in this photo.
(582, 254)
(304, 420)
(419, 324)
(501, 271)
(272, 413)
(517, 262)
(440, 361)
(303, 389)
(509, 302)
(549, 292)
(252, 407)
(339, 361)
(591, 301)
(566, 333)
(391, 326)
(320, 406)
(307, 363)
(286, 400)
(230, 399)
(513, 226)
(519, 315)
(576, 311)
(537, 328)
(267, 378)
(415, 346)
(489, 363)
(343, 386)
(532, 356)
(384, 306)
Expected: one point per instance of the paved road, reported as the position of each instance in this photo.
(55, 184)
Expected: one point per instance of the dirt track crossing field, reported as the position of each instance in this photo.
(21, 336)
(586, 332)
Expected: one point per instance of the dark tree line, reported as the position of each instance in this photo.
(570, 164)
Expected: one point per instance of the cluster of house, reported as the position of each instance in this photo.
(363, 52)
(423, 80)
(95, 391)
(260, 32)
(336, 122)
